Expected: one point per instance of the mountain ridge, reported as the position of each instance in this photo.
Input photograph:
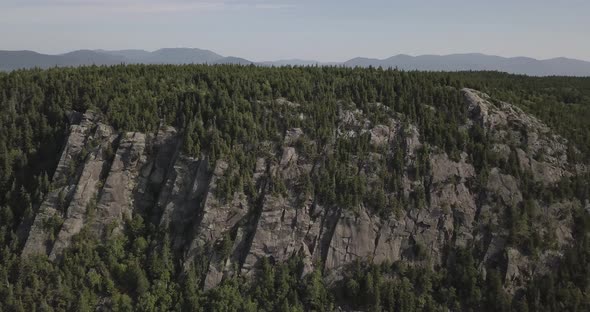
(557, 66)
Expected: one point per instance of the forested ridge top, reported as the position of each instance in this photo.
(381, 149)
(138, 97)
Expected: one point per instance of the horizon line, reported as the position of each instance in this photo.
(303, 59)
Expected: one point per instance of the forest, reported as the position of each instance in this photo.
(220, 112)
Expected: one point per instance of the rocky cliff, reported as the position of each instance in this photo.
(440, 200)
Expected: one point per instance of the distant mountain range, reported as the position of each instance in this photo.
(11, 60)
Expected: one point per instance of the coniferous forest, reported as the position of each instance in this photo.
(238, 113)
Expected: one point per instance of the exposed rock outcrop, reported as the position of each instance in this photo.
(116, 201)
(353, 239)
(85, 195)
(286, 226)
(212, 232)
(182, 197)
(433, 203)
(49, 215)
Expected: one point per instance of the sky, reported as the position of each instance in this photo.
(323, 30)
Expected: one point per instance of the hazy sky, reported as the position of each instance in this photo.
(325, 30)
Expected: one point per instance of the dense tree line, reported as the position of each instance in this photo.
(228, 112)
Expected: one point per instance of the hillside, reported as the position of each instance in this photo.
(251, 188)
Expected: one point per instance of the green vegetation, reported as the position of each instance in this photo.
(228, 112)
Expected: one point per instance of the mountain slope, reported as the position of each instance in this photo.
(243, 187)
(182, 56)
(232, 60)
(291, 62)
(447, 211)
(88, 57)
(167, 56)
(131, 54)
(461, 62)
(11, 60)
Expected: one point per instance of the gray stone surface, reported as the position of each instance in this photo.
(86, 191)
(115, 204)
(50, 213)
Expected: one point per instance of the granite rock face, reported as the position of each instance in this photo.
(105, 178)
(85, 195)
(285, 226)
(115, 203)
(49, 216)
